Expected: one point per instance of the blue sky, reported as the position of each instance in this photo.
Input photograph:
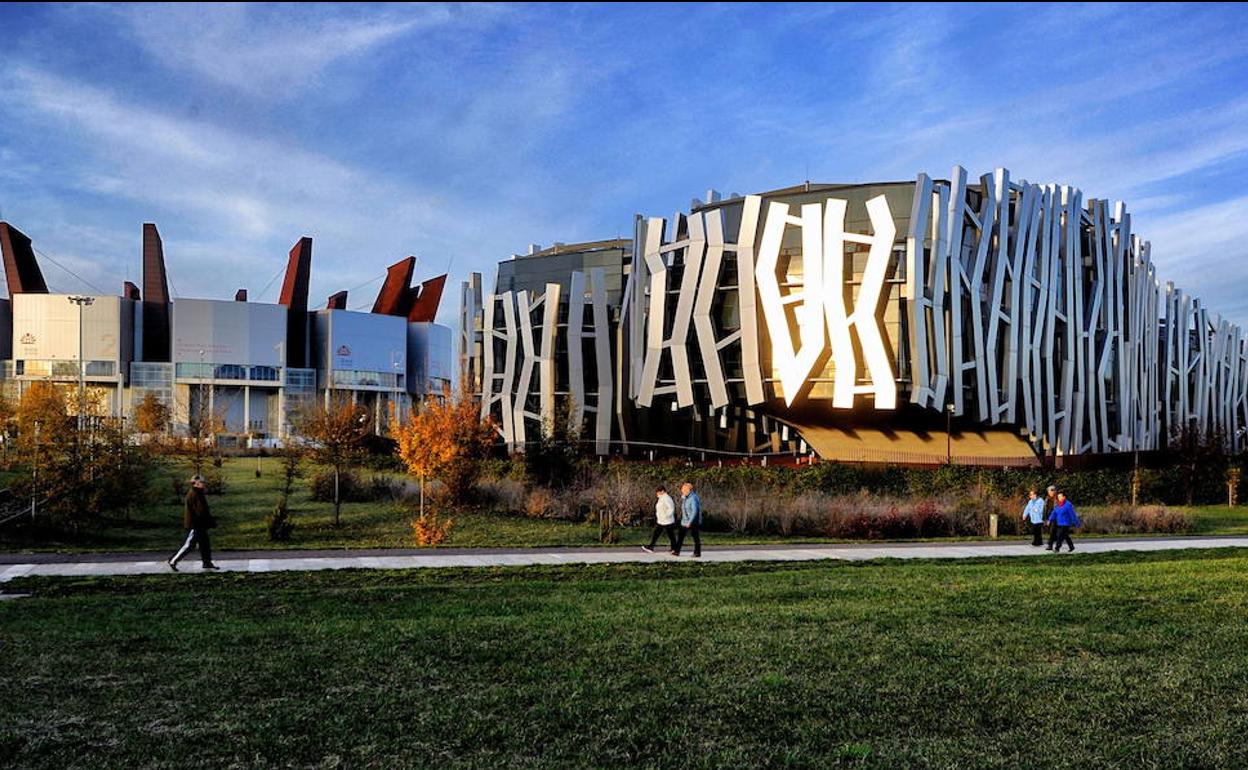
(462, 133)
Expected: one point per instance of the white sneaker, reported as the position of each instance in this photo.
(647, 549)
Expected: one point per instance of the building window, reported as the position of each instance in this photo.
(227, 372)
(194, 371)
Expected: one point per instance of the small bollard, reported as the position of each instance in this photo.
(992, 525)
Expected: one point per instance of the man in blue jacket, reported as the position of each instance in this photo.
(690, 520)
(1064, 519)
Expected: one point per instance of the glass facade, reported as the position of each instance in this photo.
(151, 378)
(298, 393)
(11, 387)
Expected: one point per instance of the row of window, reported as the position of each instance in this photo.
(159, 377)
(64, 369)
(227, 372)
(349, 378)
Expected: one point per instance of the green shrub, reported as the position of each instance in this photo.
(178, 484)
(214, 482)
(351, 489)
(279, 523)
(385, 488)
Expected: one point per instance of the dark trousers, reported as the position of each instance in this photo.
(670, 529)
(1037, 534)
(1063, 536)
(195, 537)
(1052, 534)
(697, 539)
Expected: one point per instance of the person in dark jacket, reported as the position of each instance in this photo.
(1064, 520)
(197, 520)
(1050, 502)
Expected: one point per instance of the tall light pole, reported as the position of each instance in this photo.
(81, 301)
(948, 434)
(1135, 474)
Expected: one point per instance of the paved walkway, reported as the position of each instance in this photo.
(21, 565)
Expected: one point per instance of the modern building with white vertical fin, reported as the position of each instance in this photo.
(991, 320)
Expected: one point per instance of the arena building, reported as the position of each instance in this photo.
(251, 365)
(988, 320)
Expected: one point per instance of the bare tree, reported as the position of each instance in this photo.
(152, 417)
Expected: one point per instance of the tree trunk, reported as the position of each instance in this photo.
(337, 501)
(422, 495)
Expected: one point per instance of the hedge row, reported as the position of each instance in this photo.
(1168, 486)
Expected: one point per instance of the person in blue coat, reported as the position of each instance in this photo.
(690, 520)
(1064, 520)
(1033, 517)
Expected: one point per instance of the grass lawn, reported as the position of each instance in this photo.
(1130, 660)
(243, 509)
(1220, 519)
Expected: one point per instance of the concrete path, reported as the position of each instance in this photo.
(22, 565)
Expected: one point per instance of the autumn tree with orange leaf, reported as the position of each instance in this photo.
(445, 440)
(336, 431)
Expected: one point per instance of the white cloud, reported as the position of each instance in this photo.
(272, 51)
(1204, 250)
(241, 199)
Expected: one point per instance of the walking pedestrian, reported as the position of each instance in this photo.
(198, 520)
(1050, 502)
(1033, 517)
(1064, 520)
(690, 520)
(664, 521)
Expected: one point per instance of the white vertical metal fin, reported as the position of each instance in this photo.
(602, 360)
(550, 328)
(751, 360)
(708, 345)
(794, 360)
(691, 250)
(919, 305)
(510, 351)
(576, 346)
(862, 320)
(488, 335)
(526, 304)
(656, 310)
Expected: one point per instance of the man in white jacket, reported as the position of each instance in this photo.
(664, 520)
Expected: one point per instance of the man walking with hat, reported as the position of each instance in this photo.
(197, 520)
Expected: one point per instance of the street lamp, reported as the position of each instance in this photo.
(1135, 473)
(81, 301)
(948, 434)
